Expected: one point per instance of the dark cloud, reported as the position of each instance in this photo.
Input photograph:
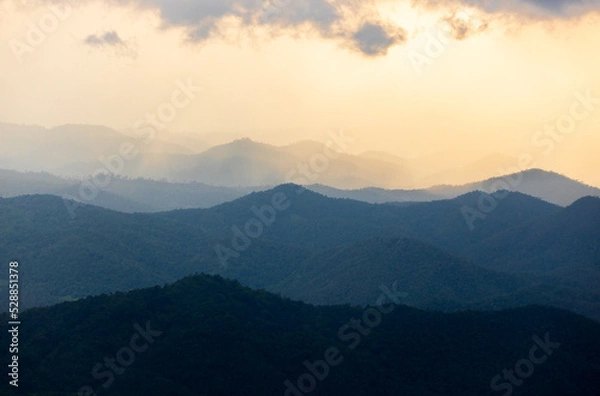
(373, 39)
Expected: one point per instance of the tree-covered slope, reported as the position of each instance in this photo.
(563, 243)
(266, 239)
(208, 336)
(430, 277)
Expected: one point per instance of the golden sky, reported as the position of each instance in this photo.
(409, 77)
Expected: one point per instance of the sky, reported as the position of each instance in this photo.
(413, 78)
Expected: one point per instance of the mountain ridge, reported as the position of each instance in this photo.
(220, 338)
(123, 251)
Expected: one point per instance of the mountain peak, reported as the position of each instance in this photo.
(241, 144)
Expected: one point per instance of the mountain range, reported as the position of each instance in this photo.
(549, 186)
(327, 244)
(146, 195)
(184, 265)
(82, 151)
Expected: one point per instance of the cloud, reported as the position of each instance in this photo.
(109, 38)
(565, 8)
(202, 16)
(374, 40)
(320, 13)
(112, 40)
(342, 20)
(355, 24)
(536, 9)
(461, 24)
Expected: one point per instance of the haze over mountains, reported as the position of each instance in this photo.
(79, 151)
(165, 175)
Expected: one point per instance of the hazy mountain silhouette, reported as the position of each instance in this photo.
(549, 186)
(120, 194)
(85, 150)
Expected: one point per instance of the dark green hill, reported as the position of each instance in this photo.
(208, 336)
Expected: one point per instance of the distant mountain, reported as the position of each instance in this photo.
(208, 336)
(75, 150)
(549, 186)
(245, 163)
(145, 195)
(81, 151)
(13, 183)
(240, 163)
(121, 194)
(40, 149)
